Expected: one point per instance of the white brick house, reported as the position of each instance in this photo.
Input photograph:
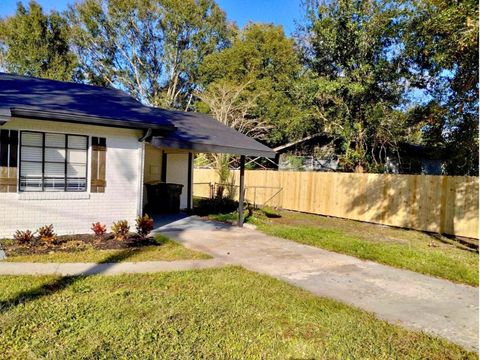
(73, 154)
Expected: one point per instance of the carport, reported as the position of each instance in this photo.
(198, 133)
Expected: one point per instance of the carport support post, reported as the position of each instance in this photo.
(190, 182)
(242, 191)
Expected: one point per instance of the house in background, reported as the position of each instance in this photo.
(73, 154)
(316, 152)
(418, 159)
(320, 152)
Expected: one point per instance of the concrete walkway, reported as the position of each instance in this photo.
(416, 301)
(73, 269)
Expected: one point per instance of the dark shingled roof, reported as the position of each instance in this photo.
(202, 133)
(44, 99)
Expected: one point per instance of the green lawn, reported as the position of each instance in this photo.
(226, 313)
(166, 250)
(408, 249)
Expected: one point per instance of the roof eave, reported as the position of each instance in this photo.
(84, 119)
(5, 116)
(211, 148)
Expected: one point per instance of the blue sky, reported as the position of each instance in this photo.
(283, 12)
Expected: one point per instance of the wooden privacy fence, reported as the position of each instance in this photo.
(443, 204)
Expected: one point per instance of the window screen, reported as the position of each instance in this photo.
(53, 162)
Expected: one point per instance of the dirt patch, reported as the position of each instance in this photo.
(74, 243)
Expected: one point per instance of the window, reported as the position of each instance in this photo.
(53, 162)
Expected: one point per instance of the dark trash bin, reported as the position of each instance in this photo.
(163, 197)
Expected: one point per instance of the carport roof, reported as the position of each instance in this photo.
(43, 99)
(201, 133)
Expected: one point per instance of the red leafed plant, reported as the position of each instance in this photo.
(99, 229)
(144, 225)
(24, 237)
(120, 229)
(46, 234)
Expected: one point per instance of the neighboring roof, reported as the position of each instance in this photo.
(297, 142)
(405, 148)
(43, 99)
(422, 151)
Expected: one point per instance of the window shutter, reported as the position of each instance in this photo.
(99, 156)
(8, 160)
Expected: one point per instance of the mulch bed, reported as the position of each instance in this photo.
(73, 243)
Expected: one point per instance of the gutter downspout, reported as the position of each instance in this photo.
(146, 136)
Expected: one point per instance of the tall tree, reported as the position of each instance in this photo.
(353, 87)
(232, 105)
(257, 74)
(151, 48)
(441, 44)
(36, 44)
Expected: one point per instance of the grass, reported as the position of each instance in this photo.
(226, 313)
(407, 249)
(166, 250)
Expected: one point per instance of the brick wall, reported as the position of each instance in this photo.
(74, 212)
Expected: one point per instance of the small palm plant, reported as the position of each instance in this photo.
(120, 230)
(144, 226)
(24, 237)
(99, 230)
(47, 235)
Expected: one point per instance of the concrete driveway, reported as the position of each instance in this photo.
(416, 301)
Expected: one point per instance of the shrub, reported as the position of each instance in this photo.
(295, 163)
(24, 237)
(216, 205)
(46, 234)
(99, 229)
(144, 225)
(120, 229)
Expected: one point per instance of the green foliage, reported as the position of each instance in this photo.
(144, 225)
(120, 229)
(225, 187)
(262, 62)
(217, 205)
(36, 44)
(349, 72)
(150, 48)
(203, 314)
(366, 58)
(201, 159)
(46, 234)
(223, 168)
(441, 43)
(353, 84)
(26, 237)
(295, 162)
